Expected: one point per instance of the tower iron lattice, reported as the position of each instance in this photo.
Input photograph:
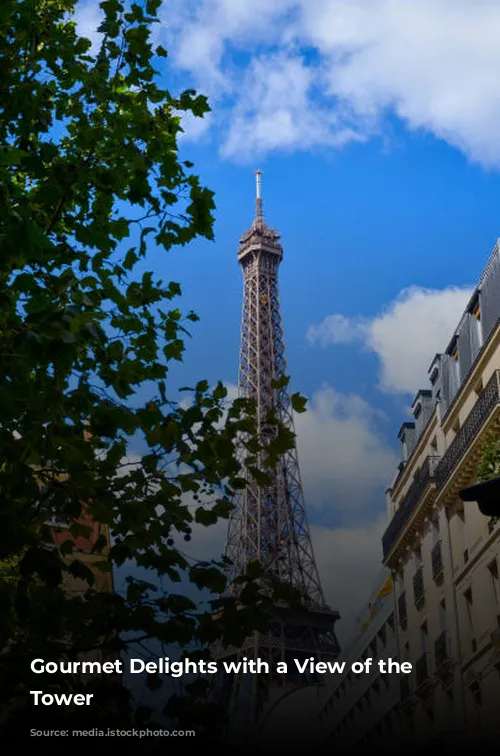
(269, 523)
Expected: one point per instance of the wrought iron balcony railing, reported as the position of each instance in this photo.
(469, 430)
(418, 586)
(421, 670)
(402, 608)
(403, 514)
(441, 651)
(437, 561)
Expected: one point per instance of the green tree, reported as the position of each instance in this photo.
(90, 177)
(489, 465)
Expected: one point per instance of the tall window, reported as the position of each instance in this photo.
(469, 616)
(494, 580)
(475, 690)
(456, 367)
(478, 324)
(424, 638)
(442, 615)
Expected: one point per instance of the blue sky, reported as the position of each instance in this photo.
(377, 131)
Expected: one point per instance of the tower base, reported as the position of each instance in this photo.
(248, 698)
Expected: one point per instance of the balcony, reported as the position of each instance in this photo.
(441, 651)
(469, 431)
(402, 610)
(437, 563)
(405, 511)
(418, 587)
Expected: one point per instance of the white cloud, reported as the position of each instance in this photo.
(405, 336)
(363, 60)
(337, 329)
(194, 128)
(276, 110)
(349, 560)
(88, 18)
(344, 462)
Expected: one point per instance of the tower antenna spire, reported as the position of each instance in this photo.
(258, 205)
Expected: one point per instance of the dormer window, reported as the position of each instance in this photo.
(477, 312)
(434, 375)
(455, 354)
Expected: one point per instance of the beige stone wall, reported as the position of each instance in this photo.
(462, 598)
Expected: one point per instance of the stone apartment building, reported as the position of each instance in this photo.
(444, 555)
(361, 710)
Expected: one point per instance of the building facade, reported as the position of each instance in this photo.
(443, 555)
(358, 710)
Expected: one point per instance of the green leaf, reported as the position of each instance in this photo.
(298, 403)
(67, 547)
(280, 383)
(208, 577)
(12, 156)
(80, 571)
(205, 516)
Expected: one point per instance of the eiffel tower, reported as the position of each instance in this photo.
(269, 524)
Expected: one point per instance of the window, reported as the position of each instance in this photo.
(424, 638)
(456, 368)
(477, 322)
(429, 710)
(382, 636)
(493, 570)
(442, 615)
(475, 689)
(469, 615)
(390, 623)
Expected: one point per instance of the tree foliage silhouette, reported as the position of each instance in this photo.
(90, 180)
